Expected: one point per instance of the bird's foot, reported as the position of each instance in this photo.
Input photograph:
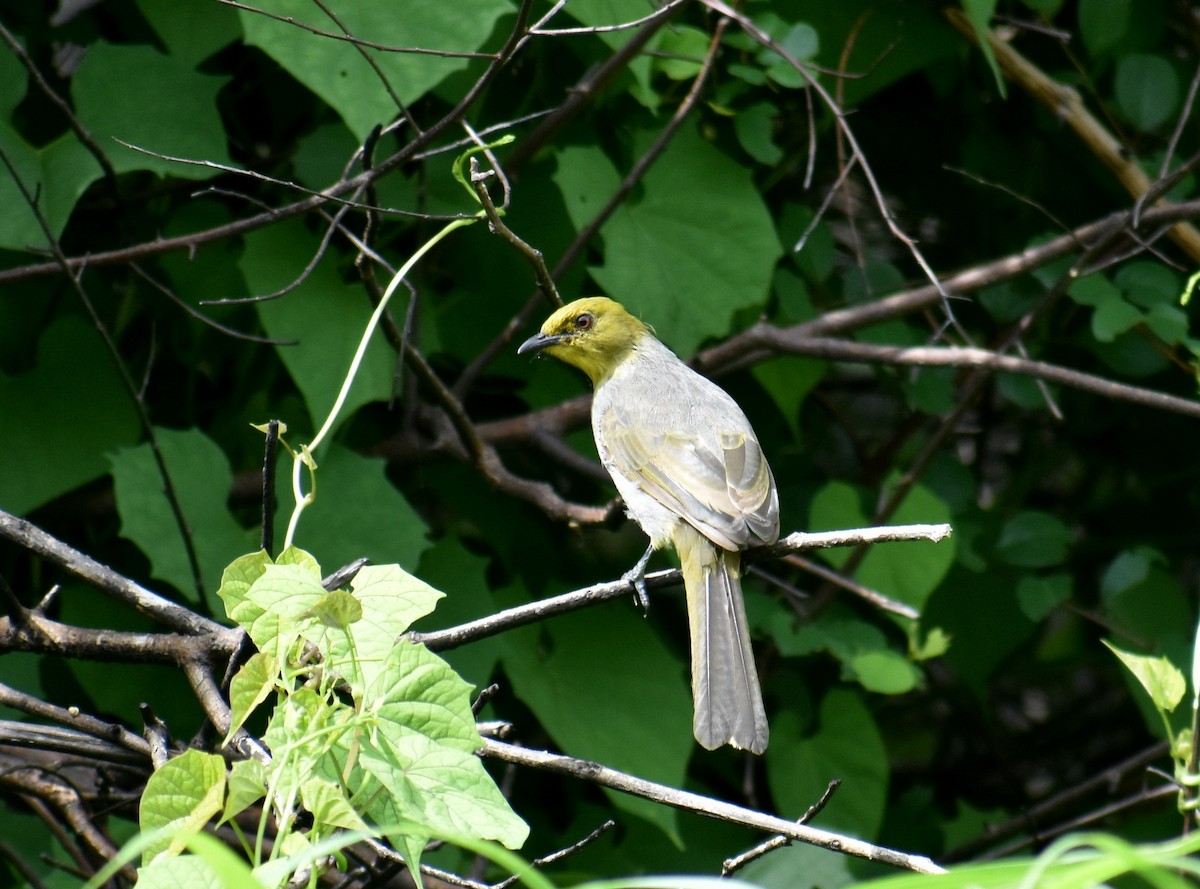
(636, 578)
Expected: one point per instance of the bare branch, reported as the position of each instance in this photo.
(703, 805)
(30, 537)
(439, 640)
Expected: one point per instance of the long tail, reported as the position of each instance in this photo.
(728, 701)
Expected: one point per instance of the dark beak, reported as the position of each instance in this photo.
(539, 341)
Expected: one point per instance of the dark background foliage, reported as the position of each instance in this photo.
(977, 725)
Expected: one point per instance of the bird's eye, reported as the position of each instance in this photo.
(584, 321)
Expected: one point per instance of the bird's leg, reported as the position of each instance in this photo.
(636, 578)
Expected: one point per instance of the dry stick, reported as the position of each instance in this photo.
(1091, 818)
(108, 731)
(66, 799)
(370, 60)
(733, 354)
(452, 637)
(538, 31)
(1028, 820)
(733, 865)
(762, 37)
(497, 227)
(959, 356)
(1068, 105)
(589, 231)
(177, 617)
(52, 738)
(38, 633)
(703, 805)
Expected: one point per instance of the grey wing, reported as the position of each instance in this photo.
(700, 459)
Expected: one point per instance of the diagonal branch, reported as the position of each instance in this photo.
(705, 805)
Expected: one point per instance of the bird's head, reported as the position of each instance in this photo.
(594, 334)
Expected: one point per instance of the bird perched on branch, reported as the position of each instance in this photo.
(690, 469)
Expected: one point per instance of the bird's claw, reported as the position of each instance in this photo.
(636, 578)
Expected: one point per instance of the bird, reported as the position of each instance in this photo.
(692, 474)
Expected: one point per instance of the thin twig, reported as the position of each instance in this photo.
(733, 865)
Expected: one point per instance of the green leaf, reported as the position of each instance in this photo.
(755, 129)
(1039, 594)
(336, 71)
(1168, 323)
(1113, 318)
(49, 452)
(181, 796)
(684, 49)
(1144, 600)
(802, 43)
(661, 252)
(1033, 539)
(247, 781)
(185, 870)
(329, 804)
(1148, 284)
(323, 319)
(249, 687)
(1093, 290)
(416, 692)
(1148, 90)
(1161, 679)
(275, 606)
(56, 175)
(846, 745)
(1129, 569)
(1103, 23)
(979, 14)
(192, 30)
(788, 379)
(448, 789)
(202, 479)
(159, 103)
(240, 575)
(391, 600)
(337, 609)
(586, 178)
(885, 672)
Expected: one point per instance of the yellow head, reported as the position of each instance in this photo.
(594, 334)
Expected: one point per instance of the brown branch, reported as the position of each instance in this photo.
(1066, 103)
(703, 805)
(109, 732)
(767, 336)
(177, 617)
(511, 618)
(66, 799)
(37, 633)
